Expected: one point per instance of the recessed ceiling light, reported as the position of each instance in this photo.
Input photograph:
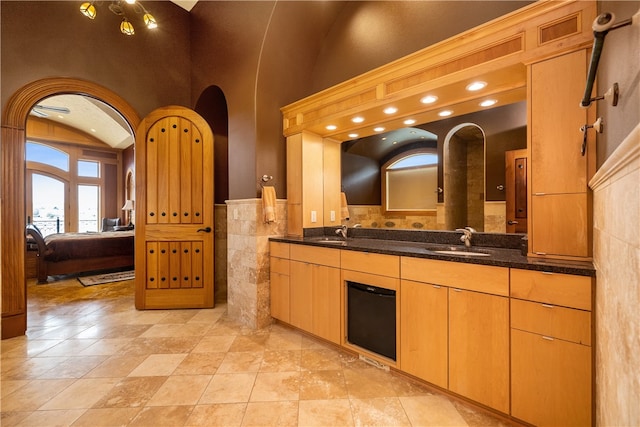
(93, 130)
(331, 127)
(445, 113)
(394, 142)
(429, 99)
(60, 116)
(488, 102)
(357, 119)
(353, 135)
(409, 121)
(384, 138)
(476, 86)
(390, 110)
(378, 129)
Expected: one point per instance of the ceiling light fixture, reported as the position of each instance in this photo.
(445, 113)
(378, 129)
(118, 7)
(429, 99)
(358, 119)
(476, 86)
(409, 122)
(353, 135)
(390, 110)
(331, 127)
(488, 102)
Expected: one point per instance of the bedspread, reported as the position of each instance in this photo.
(64, 246)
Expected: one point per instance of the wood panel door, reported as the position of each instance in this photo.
(516, 190)
(174, 210)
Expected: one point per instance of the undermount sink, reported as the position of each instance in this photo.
(329, 240)
(461, 253)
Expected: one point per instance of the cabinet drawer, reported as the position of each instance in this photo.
(552, 321)
(473, 277)
(279, 249)
(315, 255)
(383, 265)
(280, 265)
(553, 288)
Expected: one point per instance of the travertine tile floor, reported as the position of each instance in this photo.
(90, 359)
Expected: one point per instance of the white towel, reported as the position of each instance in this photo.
(344, 208)
(269, 203)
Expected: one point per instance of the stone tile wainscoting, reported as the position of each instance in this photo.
(616, 217)
(248, 260)
(371, 216)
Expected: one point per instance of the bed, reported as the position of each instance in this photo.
(73, 253)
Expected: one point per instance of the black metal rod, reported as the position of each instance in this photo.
(598, 42)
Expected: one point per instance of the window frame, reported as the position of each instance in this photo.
(385, 169)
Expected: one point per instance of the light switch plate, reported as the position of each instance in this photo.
(332, 214)
(314, 216)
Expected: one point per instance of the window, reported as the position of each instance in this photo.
(88, 208)
(48, 203)
(88, 169)
(47, 155)
(410, 183)
(66, 186)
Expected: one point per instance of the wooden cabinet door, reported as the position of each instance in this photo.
(174, 210)
(325, 306)
(280, 301)
(561, 225)
(479, 347)
(301, 296)
(556, 88)
(550, 380)
(423, 331)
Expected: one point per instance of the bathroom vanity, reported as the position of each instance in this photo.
(509, 332)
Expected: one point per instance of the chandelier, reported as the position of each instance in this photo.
(119, 7)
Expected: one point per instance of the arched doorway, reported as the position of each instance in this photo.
(12, 217)
(464, 177)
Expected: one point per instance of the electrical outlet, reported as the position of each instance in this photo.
(314, 216)
(332, 214)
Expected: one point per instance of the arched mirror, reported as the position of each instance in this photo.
(464, 177)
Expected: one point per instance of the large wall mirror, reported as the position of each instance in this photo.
(467, 183)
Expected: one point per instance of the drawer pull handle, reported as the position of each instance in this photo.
(457, 290)
(550, 273)
(547, 338)
(547, 305)
(437, 286)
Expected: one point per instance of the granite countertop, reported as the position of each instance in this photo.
(497, 255)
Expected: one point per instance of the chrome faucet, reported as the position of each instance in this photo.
(466, 236)
(342, 231)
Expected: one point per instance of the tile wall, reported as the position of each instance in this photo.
(616, 217)
(248, 259)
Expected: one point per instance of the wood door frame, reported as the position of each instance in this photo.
(12, 217)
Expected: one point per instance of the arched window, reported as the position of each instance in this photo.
(47, 155)
(410, 183)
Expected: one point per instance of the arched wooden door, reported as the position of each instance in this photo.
(174, 210)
